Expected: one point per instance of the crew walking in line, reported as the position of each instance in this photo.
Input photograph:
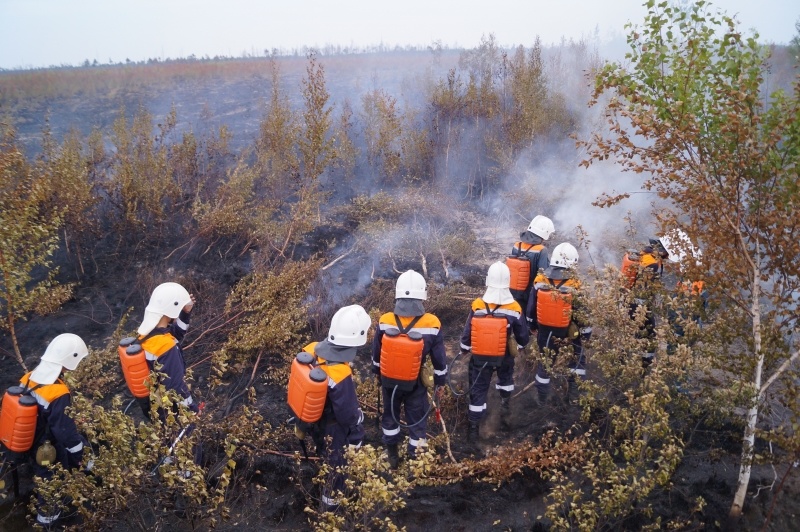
(554, 306)
(492, 318)
(403, 341)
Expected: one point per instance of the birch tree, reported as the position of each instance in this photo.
(686, 111)
(28, 239)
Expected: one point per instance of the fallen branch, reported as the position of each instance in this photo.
(211, 329)
(525, 389)
(247, 386)
(444, 429)
(340, 257)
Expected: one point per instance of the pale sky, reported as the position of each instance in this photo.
(38, 33)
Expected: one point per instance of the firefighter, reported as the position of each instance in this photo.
(166, 319)
(692, 295)
(641, 277)
(528, 256)
(554, 307)
(491, 320)
(342, 419)
(405, 337)
(56, 439)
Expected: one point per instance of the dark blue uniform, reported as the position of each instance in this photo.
(480, 375)
(342, 420)
(54, 424)
(550, 337)
(416, 399)
(163, 344)
(537, 254)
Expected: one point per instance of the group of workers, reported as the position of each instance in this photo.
(34, 423)
(531, 293)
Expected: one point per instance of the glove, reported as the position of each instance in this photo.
(586, 333)
(438, 392)
(299, 433)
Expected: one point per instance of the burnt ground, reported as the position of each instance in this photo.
(272, 491)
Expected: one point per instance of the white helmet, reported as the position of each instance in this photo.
(541, 226)
(64, 351)
(498, 280)
(677, 245)
(168, 299)
(349, 327)
(411, 285)
(564, 256)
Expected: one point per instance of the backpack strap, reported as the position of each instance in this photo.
(29, 390)
(490, 312)
(404, 330)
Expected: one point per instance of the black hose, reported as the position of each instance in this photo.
(450, 372)
(391, 408)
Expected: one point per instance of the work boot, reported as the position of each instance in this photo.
(394, 457)
(473, 434)
(542, 398)
(505, 404)
(505, 412)
(573, 392)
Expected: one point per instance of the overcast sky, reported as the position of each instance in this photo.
(36, 33)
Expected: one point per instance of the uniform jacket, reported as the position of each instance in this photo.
(341, 404)
(512, 312)
(543, 281)
(163, 345)
(430, 328)
(536, 253)
(53, 423)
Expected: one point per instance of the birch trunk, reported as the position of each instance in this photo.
(752, 413)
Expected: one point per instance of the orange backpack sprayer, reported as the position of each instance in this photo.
(630, 268)
(520, 270)
(18, 419)
(489, 335)
(134, 367)
(401, 356)
(519, 266)
(554, 306)
(308, 389)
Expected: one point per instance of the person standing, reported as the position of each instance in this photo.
(405, 337)
(341, 424)
(641, 277)
(56, 438)
(165, 322)
(491, 320)
(528, 256)
(554, 307)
